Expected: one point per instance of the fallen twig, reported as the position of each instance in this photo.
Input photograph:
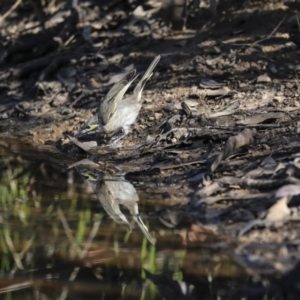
(17, 3)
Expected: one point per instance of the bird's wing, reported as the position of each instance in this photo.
(111, 205)
(112, 99)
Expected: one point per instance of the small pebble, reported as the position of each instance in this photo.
(263, 79)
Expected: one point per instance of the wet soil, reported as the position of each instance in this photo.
(209, 176)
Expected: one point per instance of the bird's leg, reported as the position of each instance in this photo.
(116, 138)
(123, 132)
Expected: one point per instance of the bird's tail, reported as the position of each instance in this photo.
(144, 229)
(140, 86)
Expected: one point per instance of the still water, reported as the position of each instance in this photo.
(81, 233)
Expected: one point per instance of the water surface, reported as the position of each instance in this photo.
(82, 234)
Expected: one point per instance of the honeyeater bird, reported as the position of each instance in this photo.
(115, 113)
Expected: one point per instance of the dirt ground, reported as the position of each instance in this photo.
(220, 119)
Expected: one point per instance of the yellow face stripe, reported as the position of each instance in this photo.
(89, 176)
(92, 127)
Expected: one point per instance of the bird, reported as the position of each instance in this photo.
(115, 113)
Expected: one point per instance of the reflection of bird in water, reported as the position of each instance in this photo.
(112, 191)
(110, 205)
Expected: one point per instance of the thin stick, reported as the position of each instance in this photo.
(264, 39)
(90, 239)
(272, 33)
(18, 2)
(16, 287)
(68, 231)
(15, 255)
(28, 244)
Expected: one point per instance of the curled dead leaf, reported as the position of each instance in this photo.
(242, 139)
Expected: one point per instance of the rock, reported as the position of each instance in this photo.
(60, 99)
(273, 69)
(263, 79)
(158, 116)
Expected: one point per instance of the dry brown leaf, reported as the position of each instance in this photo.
(195, 234)
(86, 146)
(216, 93)
(259, 118)
(242, 139)
(288, 190)
(278, 211)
